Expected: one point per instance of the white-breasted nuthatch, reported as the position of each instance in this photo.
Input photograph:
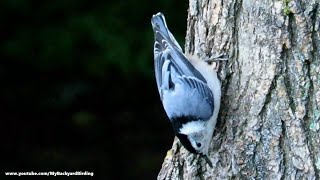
(189, 89)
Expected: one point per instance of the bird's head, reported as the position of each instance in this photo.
(194, 137)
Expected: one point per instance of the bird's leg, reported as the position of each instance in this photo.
(209, 60)
(219, 57)
(216, 59)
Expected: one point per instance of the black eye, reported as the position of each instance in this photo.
(198, 144)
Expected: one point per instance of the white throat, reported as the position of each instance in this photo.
(192, 127)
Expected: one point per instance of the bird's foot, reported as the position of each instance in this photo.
(220, 57)
(216, 59)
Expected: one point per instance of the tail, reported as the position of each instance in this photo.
(158, 22)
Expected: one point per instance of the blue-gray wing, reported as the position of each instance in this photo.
(199, 87)
(169, 59)
(168, 51)
(189, 98)
(182, 88)
(184, 96)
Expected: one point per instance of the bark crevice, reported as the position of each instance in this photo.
(311, 91)
(283, 149)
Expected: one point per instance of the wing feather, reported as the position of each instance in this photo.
(165, 50)
(182, 88)
(199, 86)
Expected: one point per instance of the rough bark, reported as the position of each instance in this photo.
(269, 121)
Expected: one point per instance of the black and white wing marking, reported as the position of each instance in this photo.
(158, 22)
(169, 59)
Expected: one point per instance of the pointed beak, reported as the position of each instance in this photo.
(207, 160)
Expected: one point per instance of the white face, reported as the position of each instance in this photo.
(198, 142)
(197, 135)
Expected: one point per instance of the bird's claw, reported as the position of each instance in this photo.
(219, 57)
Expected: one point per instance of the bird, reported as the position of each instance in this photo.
(189, 89)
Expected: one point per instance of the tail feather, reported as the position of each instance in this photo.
(158, 22)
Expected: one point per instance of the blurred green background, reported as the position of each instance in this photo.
(77, 86)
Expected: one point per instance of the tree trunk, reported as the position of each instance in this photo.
(269, 122)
